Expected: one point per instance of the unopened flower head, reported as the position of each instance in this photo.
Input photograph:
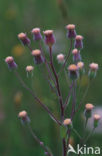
(71, 31)
(88, 110)
(89, 106)
(23, 116)
(60, 58)
(80, 65)
(67, 122)
(97, 117)
(24, 39)
(78, 42)
(49, 37)
(76, 55)
(36, 34)
(93, 70)
(10, 62)
(93, 66)
(38, 58)
(73, 71)
(29, 68)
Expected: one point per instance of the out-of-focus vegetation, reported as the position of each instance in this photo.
(22, 15)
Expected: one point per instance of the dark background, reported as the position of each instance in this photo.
(21, 16)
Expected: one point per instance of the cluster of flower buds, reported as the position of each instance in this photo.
(10, 62)
(38, 58)
(24, 39)
(24, 116)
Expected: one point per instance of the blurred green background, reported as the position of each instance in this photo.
(21, 16)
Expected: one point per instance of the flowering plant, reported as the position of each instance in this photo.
(73, 72)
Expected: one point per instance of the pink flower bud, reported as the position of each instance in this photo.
(38, 58)
(80, 65)
(29, 68)
(24, 39)
(76, 55)
(67, 122)
(10, 62)
(93, 70)
(60, 58)
(36, 34)
(89, 106)
(78, 42)
(23, 116)
(88, 110)
(49, 37)
(97, 117)
(71, 31)
(73, 71)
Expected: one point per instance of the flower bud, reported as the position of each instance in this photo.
(10, 62)
(24, 39)
(96, 120)
(36, 34)
(78, 42)
(24, 116)
(29, 69)
(71, 31)
(81, 68)
(49, 37)
(67, 122)
(38, 58)
(60, 58)
(88, 110)
(93, 70)
(76, 55)
(73, 71)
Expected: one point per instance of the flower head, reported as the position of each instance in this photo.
(24, 39)
(29, 68)
(60, 58)
(38, 59)
(23, 116)
(88, 110)
(73, 71)
(89, 106)
(49, 37)
(93, 70)
(36, 34)
(97, 117)
(10, 62)
(67, 122)
(76, 55)
(71, 31)
(80, 65)
(78, 42)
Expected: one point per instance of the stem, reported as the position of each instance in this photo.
(80, 105)
(57, 84)
(39, 141)
(36, 98)
(76, 133)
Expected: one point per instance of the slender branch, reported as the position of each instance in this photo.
(57, 84)
(81, 103)
(76, 133)
(69, 94)
(69, 52)
(64, 147)
(36, 98)
(39, 141)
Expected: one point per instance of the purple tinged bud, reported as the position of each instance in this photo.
(36, 34)
(73, 71)
(10, 62)
(76, 55)
(49, 37)
(78, 42)
(24, 39)
(71, 31)
(38, 58)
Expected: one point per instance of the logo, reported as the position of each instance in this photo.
(84, 150)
